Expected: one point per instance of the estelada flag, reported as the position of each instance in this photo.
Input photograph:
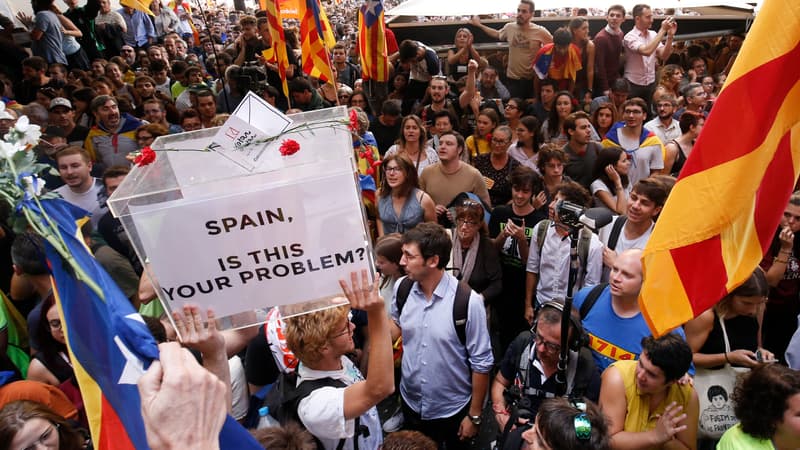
(724, 210)
(372, 41)
(315, 58)
(109, 344)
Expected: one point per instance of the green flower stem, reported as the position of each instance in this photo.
(51, 233)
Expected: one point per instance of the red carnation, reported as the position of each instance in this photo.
(353, 125)
(489, 137)
(289, 147)
(147, 156)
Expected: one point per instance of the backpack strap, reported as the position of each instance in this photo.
(524, 359)
(402, 294)
(616, 229)
(541, 232)
(304, 389)
(461, 310)
(591, 299)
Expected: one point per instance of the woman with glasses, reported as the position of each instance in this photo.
(27, 425)
(401, 203)
(475, 258)
(678, 150)
(50, 364)
(479, 143)
(496, 166)
(413, 143)
(146, 134)
(513, 112)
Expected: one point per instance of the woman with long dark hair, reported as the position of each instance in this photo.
(526, 150)
(401, 203)
(610, 187)
(553, 126)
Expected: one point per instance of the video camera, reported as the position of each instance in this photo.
(251, 77)
(575, 216)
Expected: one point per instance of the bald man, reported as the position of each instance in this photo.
(615, 323)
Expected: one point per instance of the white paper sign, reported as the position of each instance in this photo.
(253, 250)
(254, 119)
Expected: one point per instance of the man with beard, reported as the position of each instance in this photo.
(524, 38)
(153, 111)
(665, 126)
(438, 90)
(113, 135)
(580, 148)
(80, 188)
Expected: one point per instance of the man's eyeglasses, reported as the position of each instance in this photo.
(549, 346)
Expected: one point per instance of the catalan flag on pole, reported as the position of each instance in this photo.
(315, 56)
(723, 213)
(108, 342)
(372, 41)
(278, 50)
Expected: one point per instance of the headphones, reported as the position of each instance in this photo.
(579, 337)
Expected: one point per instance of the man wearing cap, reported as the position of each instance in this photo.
(62, 115)
(113, 135)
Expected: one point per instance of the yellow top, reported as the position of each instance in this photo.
(639, 418)
(482, 148)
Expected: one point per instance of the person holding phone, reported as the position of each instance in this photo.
(511, 228)
(643, 47)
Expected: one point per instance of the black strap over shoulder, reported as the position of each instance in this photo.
(460, 305)
(616, 229)
(591, 299)
(461, 310)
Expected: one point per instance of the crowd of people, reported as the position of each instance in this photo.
(484, 160)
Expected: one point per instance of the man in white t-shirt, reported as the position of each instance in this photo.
(633, 230)
(320, 340)
(80, 188)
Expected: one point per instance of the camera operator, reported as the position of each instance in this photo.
(549, 255)
(528, 371)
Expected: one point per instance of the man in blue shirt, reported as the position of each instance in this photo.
(444, 381)
(141, 32)
(615, 323)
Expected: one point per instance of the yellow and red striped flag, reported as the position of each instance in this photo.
(278, 50)
(316, 59)
(722, 214)
(372, 41)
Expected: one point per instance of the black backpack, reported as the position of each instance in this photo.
(460, 305)
(283, 397)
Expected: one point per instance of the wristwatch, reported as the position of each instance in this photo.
(476, 420)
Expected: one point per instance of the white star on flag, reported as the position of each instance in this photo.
(134, 367)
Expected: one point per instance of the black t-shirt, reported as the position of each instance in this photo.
(385, 135)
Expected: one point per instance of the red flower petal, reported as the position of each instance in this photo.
(289, 147)
(147, 156)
